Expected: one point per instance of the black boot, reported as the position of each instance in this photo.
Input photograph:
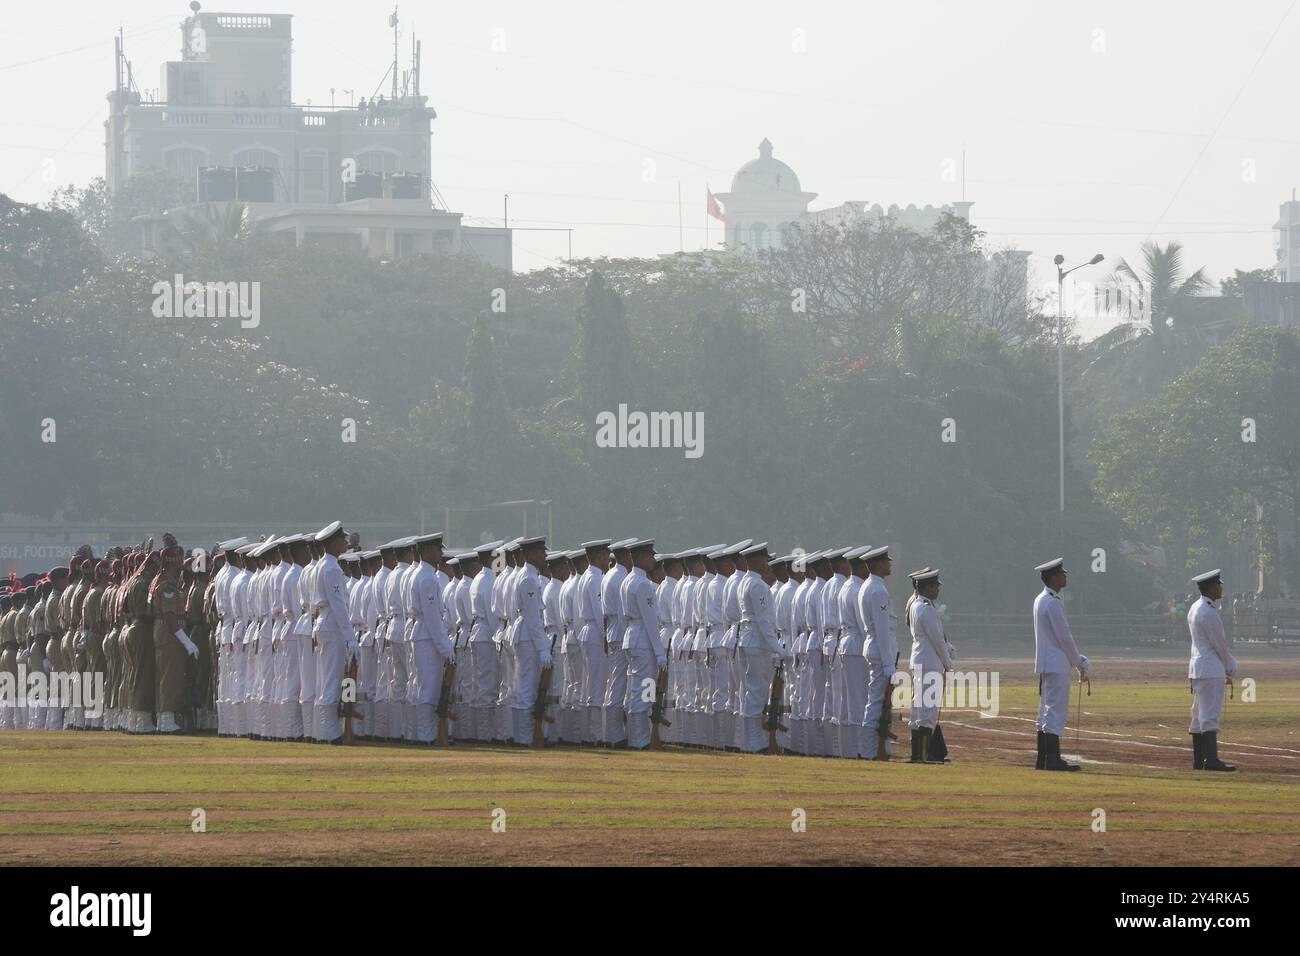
(1210, 745)
(916, 747)
(927, 735)
(1198, 752)
(1040, 763)
(1054, 761)
(938, 746)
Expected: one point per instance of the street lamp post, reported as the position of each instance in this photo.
(1060, 359)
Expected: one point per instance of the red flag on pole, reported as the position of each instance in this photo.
(714, 209)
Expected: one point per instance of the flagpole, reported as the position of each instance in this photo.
(706, 217)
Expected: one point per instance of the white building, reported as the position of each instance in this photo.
(1288, 241)
(224, 113)
(765, 200)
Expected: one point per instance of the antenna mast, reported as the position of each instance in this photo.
(392, 22)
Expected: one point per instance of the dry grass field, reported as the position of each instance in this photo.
(98, 798)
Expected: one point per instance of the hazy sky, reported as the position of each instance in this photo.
(1087, 127)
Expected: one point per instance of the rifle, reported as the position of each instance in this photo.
(885, 729)
(774, 709)
(444, 701)
(540, 716)
(657, 718)
(347, 708)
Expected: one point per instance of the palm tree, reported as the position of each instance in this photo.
(1157, 352)
(1162, 282)
(210, 233)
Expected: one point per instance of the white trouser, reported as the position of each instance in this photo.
(307, 669)
(331, 661)
(398, 656)
(756, 672)
(291, 685)
(1054, 703)
(1207, 704)
(855, 674)
(424, 686)
(593, 689)
(366, 665)
(927, 696)
(641, 682)
(527, 672)
(877, 689)
(615, 701)
(483, 687)
(572, 702)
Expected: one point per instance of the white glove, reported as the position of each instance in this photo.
(352, 648)
(187, 643)
(1232, 666)
(952, 653)
(1083, 664)
(661, 661)
(546, 655)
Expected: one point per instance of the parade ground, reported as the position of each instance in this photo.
(78, 798)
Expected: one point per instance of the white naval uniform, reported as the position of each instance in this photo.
(462, 719)
(720, 725)
(931, 658)
(760, 652)
(591, 639)
(670, 636)
(383, 725)
(802, 735)
(1055, 656)
(615, 700)
(482, 655)
(367, 652)
(334, 641)
(783, 611)
(531, 648)
(506, 613)
(573, 715)
(876, 609)
(700, 713)
(683, 673)
(553, 624)
(395, 675)
(645, 653)
(307, 650)
(239, 604)
(406, 596)
(430, 651)
(823, 648)
(854, 669)
(225, 624)
(731, 657)
(1210, 665)
(290, 686)
(833, 635)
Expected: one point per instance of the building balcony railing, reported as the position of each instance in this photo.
(342, 119)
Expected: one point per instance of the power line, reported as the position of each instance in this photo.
(1223, 118)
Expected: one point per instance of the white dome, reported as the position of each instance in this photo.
(765, 174)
